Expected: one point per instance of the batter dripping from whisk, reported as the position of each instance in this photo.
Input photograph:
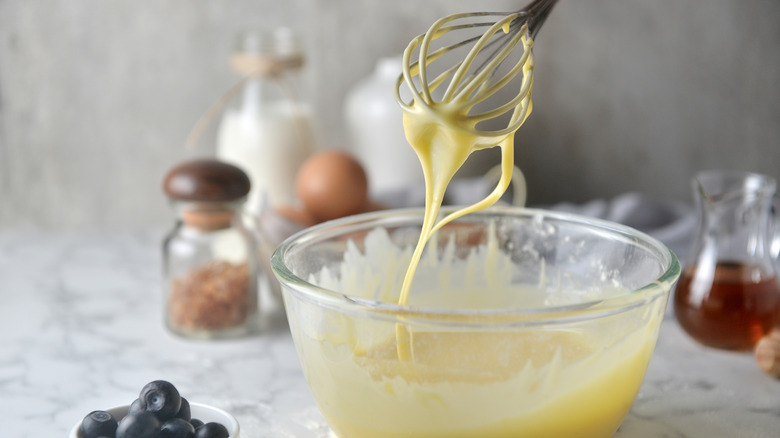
(444, 133)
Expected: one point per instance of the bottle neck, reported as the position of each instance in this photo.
(269, 63)
(737, 231)
(263, 92)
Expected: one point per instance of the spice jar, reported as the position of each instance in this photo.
(209, 258)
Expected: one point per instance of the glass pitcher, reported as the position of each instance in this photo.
(728, 295)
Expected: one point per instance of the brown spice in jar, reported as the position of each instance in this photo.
(215, 296)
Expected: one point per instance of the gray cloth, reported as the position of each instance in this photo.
(673, 223)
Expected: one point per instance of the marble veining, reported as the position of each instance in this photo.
(81, 329)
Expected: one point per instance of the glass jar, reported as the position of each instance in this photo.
(267, 130)
(209, 258)
(728, 296)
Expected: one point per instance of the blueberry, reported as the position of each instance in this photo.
(98, 423)
(211, 430)
(196, 423)
(136, 406)
(177, 428)
(161, 398)
(184, 411)
(141, 425)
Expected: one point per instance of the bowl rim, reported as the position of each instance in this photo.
(585, 310)
(233, 428)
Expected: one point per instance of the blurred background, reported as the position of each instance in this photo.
(97, 98)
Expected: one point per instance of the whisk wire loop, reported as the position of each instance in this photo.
(489, 89)
(489, 70)
(433, 33)
(524, 90)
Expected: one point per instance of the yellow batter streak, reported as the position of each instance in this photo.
(444, 135)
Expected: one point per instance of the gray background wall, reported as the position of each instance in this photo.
(97, 97)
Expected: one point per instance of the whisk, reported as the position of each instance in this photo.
(469, 85)
(455, 121)
(473, 80)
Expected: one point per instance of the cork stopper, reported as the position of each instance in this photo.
(266, 52)
(206, 185)
(767, 353)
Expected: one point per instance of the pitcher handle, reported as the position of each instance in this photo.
(774, 244)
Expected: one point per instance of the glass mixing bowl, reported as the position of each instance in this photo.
(520, 322)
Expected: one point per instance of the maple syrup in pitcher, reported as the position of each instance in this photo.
(733, 311)
(728, 295)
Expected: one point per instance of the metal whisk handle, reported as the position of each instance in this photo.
(536, 13)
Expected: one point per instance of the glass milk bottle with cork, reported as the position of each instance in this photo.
(267, 131)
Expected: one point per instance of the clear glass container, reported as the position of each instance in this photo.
(267, 130)
(728, 296)
(520, 322)
(209, 258)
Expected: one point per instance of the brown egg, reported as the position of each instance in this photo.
(332, 184)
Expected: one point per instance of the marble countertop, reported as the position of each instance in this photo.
(81, 329)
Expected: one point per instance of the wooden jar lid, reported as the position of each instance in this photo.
(206, 180)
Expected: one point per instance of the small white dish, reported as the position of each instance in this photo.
(204, 413)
